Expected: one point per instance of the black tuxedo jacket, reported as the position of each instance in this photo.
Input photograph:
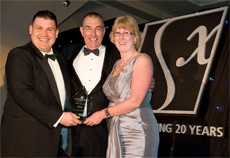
(32, 106)
(96, 134)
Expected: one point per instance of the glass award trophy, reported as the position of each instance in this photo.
(81, 104)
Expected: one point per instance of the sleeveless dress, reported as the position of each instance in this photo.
(134, 134)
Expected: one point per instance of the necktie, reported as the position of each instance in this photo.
(51, 56)
(88, 51)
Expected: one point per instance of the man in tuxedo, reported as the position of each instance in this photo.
(34, 121)
(89, 64)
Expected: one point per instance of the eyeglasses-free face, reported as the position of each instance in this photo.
(124, 34)
(92, 31)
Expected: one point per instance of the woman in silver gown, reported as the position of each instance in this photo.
(133, 129)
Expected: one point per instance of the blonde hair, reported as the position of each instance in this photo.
(128, 23)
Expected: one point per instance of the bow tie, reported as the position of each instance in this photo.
(88, 51)
(51, 56)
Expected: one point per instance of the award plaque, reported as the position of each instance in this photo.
(81, 104)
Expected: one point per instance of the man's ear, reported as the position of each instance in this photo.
(81, 30)
(57, 32)
(30, 29)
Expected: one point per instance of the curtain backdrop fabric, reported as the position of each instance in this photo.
(214, 110)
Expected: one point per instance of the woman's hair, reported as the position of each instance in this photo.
(128, 23)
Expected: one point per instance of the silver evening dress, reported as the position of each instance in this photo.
(134, 134)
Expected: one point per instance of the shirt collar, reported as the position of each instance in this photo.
(44, 53)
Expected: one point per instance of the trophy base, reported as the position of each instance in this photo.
(82, 119)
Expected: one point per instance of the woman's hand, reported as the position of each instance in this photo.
(95, 118)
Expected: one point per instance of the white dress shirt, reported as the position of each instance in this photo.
(89, 68)
(59, 81)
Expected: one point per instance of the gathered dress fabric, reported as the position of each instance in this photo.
(134, 134)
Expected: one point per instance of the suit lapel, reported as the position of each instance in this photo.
(45, 65)
(46, 68)
(75, 80)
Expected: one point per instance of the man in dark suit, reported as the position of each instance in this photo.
(90, 71)
(34, 123)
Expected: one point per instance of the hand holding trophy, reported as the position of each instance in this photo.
(81, 104)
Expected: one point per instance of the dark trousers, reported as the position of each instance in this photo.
(61, 153)
(93, 150)
(89, 141)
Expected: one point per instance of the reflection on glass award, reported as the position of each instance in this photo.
(81, 104)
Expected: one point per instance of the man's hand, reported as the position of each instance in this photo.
(70, 119)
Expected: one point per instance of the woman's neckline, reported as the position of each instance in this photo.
(118, 69)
